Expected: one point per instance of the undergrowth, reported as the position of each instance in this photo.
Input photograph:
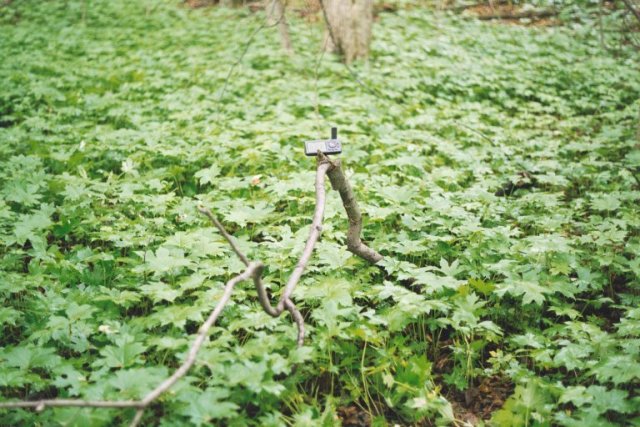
(497, 167)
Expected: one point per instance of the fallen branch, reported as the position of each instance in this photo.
(202, 334)
(529, 14)
(462, 7)
(340, 183)
(253, 271)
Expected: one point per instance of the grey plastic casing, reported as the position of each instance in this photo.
(326, 146)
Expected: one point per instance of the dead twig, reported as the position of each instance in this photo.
(316, 227)
(140, 405)
(629, 5)
(224, 233)
(529, 14)
(340, 183)
(40, 405)
(461, 8)
(253, 271)
(314, 234)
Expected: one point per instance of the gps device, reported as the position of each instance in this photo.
(325, 146)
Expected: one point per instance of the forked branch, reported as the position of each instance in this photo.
(253, 271)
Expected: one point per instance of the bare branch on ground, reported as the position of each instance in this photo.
(253, 271)
(528, 14)
(202, 334)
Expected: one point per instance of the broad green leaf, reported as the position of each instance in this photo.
(531, 292)
(209, 405)
(125, 353)
(208, 175)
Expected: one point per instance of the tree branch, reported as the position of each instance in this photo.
(136, 419)
(298, 319)
(224, 233)
(340, 183)
(314, 234)
(323, 165)
(40, 405)
(202, 334)
(253, 271)
(531, 14)
(632, 9)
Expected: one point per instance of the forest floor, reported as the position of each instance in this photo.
(497, 167)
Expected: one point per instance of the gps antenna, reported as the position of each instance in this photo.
(334, 133)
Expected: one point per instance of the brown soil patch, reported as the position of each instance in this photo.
(352, 416)
(480, 402)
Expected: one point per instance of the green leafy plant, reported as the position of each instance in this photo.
(497, 169)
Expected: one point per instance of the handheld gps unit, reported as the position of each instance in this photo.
(325, 146)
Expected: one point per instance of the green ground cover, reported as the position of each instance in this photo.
(114, 124)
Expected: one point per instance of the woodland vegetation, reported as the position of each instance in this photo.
(155, 201)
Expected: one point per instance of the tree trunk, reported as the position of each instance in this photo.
(276, 15)
(349, 27)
